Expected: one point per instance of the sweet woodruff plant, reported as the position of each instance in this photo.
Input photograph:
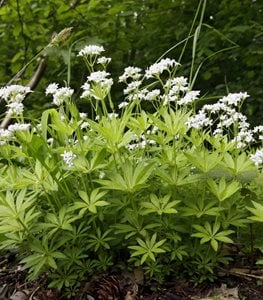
(147, 180)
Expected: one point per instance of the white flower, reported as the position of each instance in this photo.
(39, 127)
(87, 90)
(131, 87)
(104, 60)
(258, 129)
(50, 140)
(177, 84)
(123, 104)
(154, 129)
(51, 88)
(153, 95)
(199, 120)
(158, 68)
(15, 108)
(138, 95)
(218, 132)
(106, 83)
(132, 147)
(91, 50)
(113, 115)
(226, 120)
(243, 138)
(68, 157)
(84, 125)
(98, 76)
(234, 98)
(257, 158)
(130, 72)
(14, 93)
(4, 133)
(169, 98)
(189, 97)
(83, 115)
(213, 108)
(18, 127)
(61, 95)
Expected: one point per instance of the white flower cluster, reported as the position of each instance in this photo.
(214, 108)
(257, 158)
(68, 157)
(138, 95)
(156, 69)
(123, 104)
(199, 120)
(133, 86)
(189, 97)
(130, 72)
(91, 50)
(15, 108)
(8, 134)
(226, 109)
(83, 115)
(228, 116)
(86, 90)
(97, 79)
(92, 56)
(244, 137)
(153, 95)
(14, 95)
(234, 99)
(18, 127)
(5, 133)
(258, 130)
(177, 83)
(100, 77)
(60, 95)
(103, 60)
(178, 91)
(175, 89)
(113, 116)
(84, 125)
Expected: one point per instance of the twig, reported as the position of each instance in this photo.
(242, 274)
(33, 293)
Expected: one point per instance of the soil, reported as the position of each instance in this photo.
(240, 283)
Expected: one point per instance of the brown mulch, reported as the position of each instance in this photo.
(237, 284)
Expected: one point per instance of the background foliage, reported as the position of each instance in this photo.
(137, 33)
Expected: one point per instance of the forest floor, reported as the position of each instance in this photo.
(240, 283)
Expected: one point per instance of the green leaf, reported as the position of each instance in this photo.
(133, 178)
(257, 212)
(159, 205)
(147, 248)
(90, 202)
(223, 189)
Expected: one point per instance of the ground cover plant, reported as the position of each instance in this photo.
(152, 182)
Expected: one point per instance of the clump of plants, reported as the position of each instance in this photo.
(150, 182)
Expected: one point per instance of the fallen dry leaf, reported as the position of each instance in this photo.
(19, 296)
(222, 293)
